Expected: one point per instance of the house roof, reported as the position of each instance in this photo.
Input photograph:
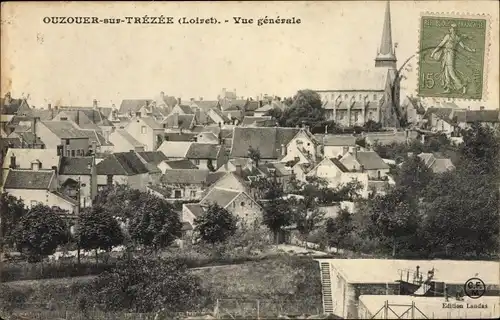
(203, 151)
(265, 108)
(184, 176)
(442, 113)
(252, 105)
(84, 118)
(75, 165)
(133, 105)
(279, 168)
(195, 208)
(417, 104)
(175, 149)
(206, 104)
(267, 140)
(96, 136)
(150, 122)
(233, 104)
(121, 163)
(220, 114)
(24, 157)
(387, 138)
(29, 138)
(339, 164)
(339, 140)
(65, 130)
(10, 106)
(470, 116)
(129, 138)
(387, 270)
(222, 197)
(186, 226)
(186, 109)
(370, 160)
(181, 164)
(65, 197)
(184, 121)
(42, 114)
(209, 136)
(249, 120)
(29, 179)
(436, 162)
(178, 137)
(153, 157)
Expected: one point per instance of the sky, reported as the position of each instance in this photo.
(71, 64)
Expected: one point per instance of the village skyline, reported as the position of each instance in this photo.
(140, 62)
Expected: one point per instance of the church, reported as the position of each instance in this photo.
(363, 95)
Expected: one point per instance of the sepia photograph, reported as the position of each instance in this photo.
(182, 160)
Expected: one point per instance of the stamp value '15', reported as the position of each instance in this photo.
(452, 57)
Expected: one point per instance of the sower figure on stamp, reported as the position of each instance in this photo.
(446, 52)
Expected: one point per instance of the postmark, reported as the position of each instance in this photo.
(453, 53)
(474, 288)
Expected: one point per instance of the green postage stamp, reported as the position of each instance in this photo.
(453, 56)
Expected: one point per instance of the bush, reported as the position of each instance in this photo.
(11, 298)
(34, 271)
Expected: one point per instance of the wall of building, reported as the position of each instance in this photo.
(50, 140)
(34, 197)
(147, 137)
(335, 151)
(245, 208)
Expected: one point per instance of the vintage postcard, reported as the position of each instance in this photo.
(249, 160)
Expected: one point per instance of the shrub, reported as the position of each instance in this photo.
(11, 298)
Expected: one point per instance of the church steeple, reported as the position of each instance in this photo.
(386, 57)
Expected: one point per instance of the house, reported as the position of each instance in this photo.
(217, 117)
(258, 121)
(26, 140)
(275, 170)
(152, 160)
(412, 109)
(178, 136)
(233, 104)
(238, 203)
(436, 162)
(302, 148)
(132, 107)
(147, 131)
(11, 106)
(207, 137)
(38, 186)
(329, 169)
(345, 280)
(122, 168)
(466, 118)
(440, 119)
(386, 138)
(165, 102)
(183, 184)
(63, 136)
(264, 110)
(23, 159)
(206, 155)
(123, 142)
(337, 145)
(366, 161)
(176, 122)
(175, 150)
(270, 142)
(78, 174)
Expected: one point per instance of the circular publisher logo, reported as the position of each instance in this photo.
(474, 288)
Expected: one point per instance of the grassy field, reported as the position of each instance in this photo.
(281, 283)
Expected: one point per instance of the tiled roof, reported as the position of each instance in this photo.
(265, 108)
(133, 105)
(417, 104)
(186, 109)
(252, 105)
(267, 140)
(195, 208)
(12, 142)
(10, 107)
(177, 137)
(388, 138)
(24, 157)
(29, 179)
(29, 138)
(203, 151)
(442, 113)
(81, 118)
(278, 167)
(220, 114)
(75, 165)
(339, 164)
(248, 120)
(339, 140)
(154, 157)
(129, 138)
(65, 197)
(213, 177)
(43, 114)
(205, 104)
(234, 104)
(222, 197)
(177, 149)
(371, 160)
(150, 122)
(470, 116)
(181, 164)
(184, 176)
(65, 129)
(121, 163)
(186, 226)
(96, 136)
(208, 136)
(184, 121)
(436, 162)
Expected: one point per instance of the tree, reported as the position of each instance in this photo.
(372, 126)
(155, 224)
(215, 225)
(39, 232)
(306, 215)
(480, 151)
(339, 229)
(97, 229)
(275, 113)
(119, 200)
(254, 154)
(394, 216)
(143, 285)
(11, 211)
(414, 175)
(276, 215)
(306, 108)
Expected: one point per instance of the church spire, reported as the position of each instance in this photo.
(386, 57)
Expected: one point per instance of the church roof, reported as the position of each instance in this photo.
(354, 80)
(386, 50)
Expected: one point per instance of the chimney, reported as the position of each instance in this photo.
(481, 108)
(220, 124)
(201, 98)
(307, 128)
(33, 128)
(345, 150)
(175, 121)
(179, 101)
(35, 165)
(49, 106)
(192, 99)
(355, 152)
(362, 168)
(238, 169)
(283, 150)
(94, 104)
(162, 95)
(12, 161)
(94, 147)
(195, 139)
(77, 120)
(326, 129)
(422, 138)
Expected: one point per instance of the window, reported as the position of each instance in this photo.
(360, 97)
(346, 96)
(33, 203)
(138, 114)
(193, 193)
(356, 116)
(197, 162)
(370, 115)
(378, 174)
(109, 179)
(64, 118)
(72, 153)
(375, 97)
(143, 129)
(78, 153)
(68, 153)
(234, 204)
(67, 141)
(242, 203)
(177, 194)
